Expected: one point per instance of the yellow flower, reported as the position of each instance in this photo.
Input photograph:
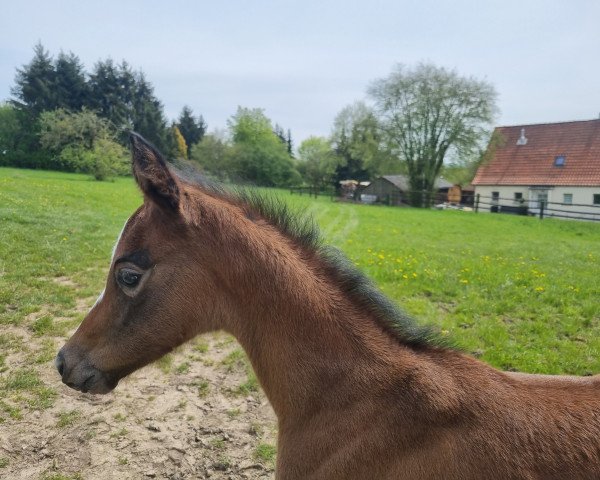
(539, 289)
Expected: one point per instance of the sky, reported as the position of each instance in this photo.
(304, 61)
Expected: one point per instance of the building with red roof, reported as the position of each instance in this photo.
(554, 163)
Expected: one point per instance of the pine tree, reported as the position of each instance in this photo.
(108, 98)
(34, 83)
(70, 87)
(147, 117)
(290, 143)
(192, 130)
(127, 100)
(278, 131)
(202, 127)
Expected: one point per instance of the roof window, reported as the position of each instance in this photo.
(559, 161)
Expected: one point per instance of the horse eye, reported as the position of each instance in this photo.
(128, 277)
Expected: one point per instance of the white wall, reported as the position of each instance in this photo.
(582, 199)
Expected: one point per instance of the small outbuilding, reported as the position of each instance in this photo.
(461, 195)
(395, 190)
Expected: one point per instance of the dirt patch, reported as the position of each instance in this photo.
(192, 422)
(64, 281)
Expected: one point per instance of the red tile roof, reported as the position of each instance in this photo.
(533, 163)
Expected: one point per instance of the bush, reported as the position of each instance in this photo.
(110, 159)
(106, 159)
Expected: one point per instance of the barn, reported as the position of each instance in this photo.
(394, 190)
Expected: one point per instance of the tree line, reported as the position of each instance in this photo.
(64, 118)
(419, 121)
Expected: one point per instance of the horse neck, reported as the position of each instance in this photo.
(307, 342)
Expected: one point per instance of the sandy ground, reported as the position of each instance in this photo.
(184, 424)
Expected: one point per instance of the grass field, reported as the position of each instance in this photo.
(517, 292)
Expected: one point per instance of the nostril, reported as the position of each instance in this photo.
(59, 361)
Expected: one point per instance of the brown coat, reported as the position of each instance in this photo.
(359, 393)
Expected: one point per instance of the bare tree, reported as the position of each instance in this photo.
(427, 111)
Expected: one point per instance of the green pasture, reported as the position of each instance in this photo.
(517, 292)
(520, 293)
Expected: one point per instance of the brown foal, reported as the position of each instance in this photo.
(360, 392)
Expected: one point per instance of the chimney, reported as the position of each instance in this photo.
(522, 139)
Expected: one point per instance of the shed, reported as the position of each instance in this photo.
(457, 194)
(394, 190)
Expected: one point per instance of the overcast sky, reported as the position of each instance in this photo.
(303, 61)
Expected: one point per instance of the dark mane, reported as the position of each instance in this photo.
(303, 230)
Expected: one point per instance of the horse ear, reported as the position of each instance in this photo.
(152, 174)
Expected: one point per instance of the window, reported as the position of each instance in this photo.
(596, 198)
(518, 197)
(538, 197)
(559, 161)
(568, 198)
(495, 196)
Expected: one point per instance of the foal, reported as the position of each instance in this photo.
(359, 390)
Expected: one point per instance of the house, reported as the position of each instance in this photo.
(395, 189)
(554, 166)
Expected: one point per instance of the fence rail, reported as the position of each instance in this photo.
(313, 192)
(540, 208)
(532, 207)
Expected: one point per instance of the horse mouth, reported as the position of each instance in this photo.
(95, 383)
(85, 378)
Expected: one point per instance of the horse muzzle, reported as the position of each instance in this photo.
(78, 373)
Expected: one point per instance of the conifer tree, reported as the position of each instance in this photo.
(108, 98)
(290, 143)
(192, 130)
(147, 115)
(71, 90)
(127, 100)
(34, 83)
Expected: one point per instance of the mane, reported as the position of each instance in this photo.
(304, 232)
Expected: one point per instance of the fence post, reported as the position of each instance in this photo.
(542, 205)
(477, 203)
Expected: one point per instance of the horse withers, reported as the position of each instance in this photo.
(360, 391)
